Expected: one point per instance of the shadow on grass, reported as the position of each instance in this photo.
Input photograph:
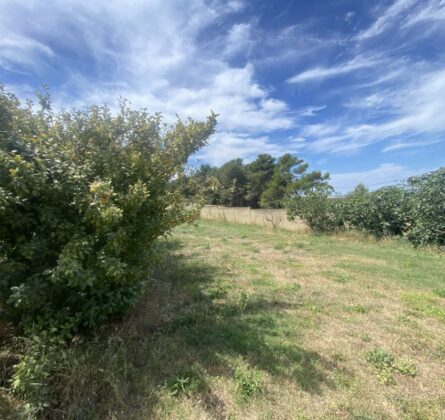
(186, 331)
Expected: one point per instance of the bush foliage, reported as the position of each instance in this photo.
(83, 196)
(415, 210)
(318, 208)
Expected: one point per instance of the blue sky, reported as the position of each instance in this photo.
(356, 87)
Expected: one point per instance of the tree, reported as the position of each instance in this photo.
(290, 179)
(259, 173)
(232, 177)
(83, 197)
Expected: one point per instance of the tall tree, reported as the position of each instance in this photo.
(289, 179)
(259, 173)
(232, 177)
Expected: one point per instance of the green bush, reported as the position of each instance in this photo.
(427, 208)
(382, 212)
(83, 197)
(415, 210)
(319, 209)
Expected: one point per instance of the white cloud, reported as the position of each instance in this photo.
(230, 145)
(311, 111)
(320, 73)
(349, 17)
(416, 110)
(433, 11)
(150, 52)
(239, 39)
(399, 145)
(386, 19)
(21, 53)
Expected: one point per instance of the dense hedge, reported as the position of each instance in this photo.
(415, 210)
(319, 209)
(83, 197)
(427, 208)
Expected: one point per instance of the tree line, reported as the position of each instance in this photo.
(264, 183)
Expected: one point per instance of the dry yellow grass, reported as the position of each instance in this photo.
(275, 218)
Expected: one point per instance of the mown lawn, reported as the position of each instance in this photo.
(247, 322)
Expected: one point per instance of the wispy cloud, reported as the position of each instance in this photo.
(153, 53)
(311, 111)
(417, 109)
(320, 73)
(399, 145)
(432, 11)
(20, 53)
(386, 19)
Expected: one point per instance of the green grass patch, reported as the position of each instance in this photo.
(425, 304)
(242, 322)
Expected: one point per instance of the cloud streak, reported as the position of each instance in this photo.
(320, 73)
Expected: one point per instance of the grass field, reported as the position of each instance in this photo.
(247, 322)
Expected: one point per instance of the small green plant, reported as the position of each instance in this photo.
(406, 367)
(341, 278)
(386, 364)
(360, 309)
(383, 362)
(338, 357)
(425, 304)
(243, 301)
(365, 337)
(186, 382)
(249, 382)
(295, 287)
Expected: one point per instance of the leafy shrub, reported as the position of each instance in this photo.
(83, 197)
(382, 212)
(415, 210)
(427, 208)
(321, 211)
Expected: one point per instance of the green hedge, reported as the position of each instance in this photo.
(415, 210)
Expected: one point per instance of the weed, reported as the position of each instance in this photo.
(383, 362)
(186, 382)
(342, 379)
(386, 364)
(360, 309)
(425, 304)
(249, 381)
(405, 367)
(295, 287)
